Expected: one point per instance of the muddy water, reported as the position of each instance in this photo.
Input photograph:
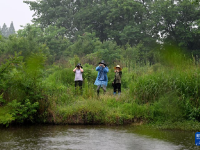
(63, 137)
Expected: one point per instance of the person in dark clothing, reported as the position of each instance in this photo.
(117, 81)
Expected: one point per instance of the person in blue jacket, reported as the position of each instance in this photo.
(102, 78)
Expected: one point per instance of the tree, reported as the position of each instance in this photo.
(51, 37)
(55, 13)
(92, 17)
(176, 22)
(4, 30)
(11, 29)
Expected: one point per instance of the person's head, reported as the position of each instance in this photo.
(79, 66)
(118, 68)
(102, 63)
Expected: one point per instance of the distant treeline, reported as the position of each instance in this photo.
(7, 31)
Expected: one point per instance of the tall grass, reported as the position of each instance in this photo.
(176, 76)
(149, 88)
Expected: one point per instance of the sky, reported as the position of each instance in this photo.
(15, 11)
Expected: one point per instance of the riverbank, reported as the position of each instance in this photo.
(107, 110)
(119, 110)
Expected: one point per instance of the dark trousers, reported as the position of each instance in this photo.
(78, 85)
(98, 88)
(117, 87)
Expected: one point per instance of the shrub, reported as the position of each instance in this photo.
(22, 112)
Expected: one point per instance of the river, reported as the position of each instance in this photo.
(65, 137)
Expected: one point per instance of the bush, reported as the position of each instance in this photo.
(22, 112)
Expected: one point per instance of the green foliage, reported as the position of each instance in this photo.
(2, 101)
(24, 81)
(5, 117)
(10, 63)
(60, 76)
(84, 44)
(88, 89)
(90, 46)
(131, 22)
(76, 60)
(135, 110)
(150, 87)
(178, 125)
(22, 112)
(50, 40)
(175, 15)
(89, 73)
(192, 111)
(172, 56)
(168, 108)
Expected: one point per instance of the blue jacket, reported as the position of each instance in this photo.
(102, 78)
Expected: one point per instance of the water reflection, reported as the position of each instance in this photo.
(93, 138)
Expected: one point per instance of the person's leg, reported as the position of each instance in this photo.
(80, 86)
(98, 88)
(104, 88)
(115, 89)
(119, 88)
(76, 84)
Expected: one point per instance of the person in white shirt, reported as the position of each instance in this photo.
(78, 77)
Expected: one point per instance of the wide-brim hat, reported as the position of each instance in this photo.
(79, 65)
(118, 66)
(102, 62)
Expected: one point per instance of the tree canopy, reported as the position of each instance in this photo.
(122, 21)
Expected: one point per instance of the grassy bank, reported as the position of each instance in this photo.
(165, 96)
(106, 109)
(162, 96)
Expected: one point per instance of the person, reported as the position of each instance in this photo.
(78, 70)
(117, 81)
(102, 78)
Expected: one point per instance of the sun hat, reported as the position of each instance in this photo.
(118, 66)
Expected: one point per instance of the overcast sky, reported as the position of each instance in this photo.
(16, 11)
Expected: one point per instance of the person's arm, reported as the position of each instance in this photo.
(97, 68)
(81, 70)
(120, 73)
(106, 69)
(74, 69)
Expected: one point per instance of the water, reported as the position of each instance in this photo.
(63, 137)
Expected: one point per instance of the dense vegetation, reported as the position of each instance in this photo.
(156, 43)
